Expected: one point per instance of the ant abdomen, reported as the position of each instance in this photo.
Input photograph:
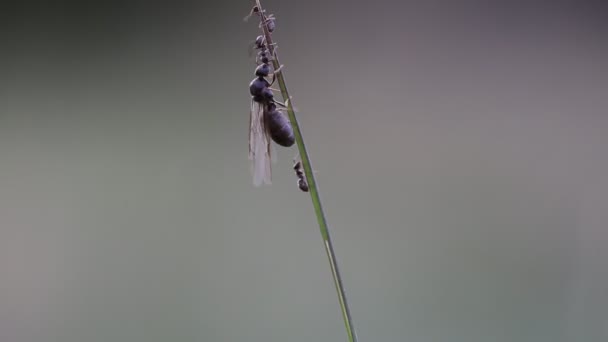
(279, 127)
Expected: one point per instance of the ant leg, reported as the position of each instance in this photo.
(274, 74)
(280, 104)
(286, 104)
(274, 46)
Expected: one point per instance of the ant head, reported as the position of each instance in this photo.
(260, 41)
(262, 70)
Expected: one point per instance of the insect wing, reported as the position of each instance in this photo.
(259, 146)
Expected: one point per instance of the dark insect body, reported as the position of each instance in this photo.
(278, 126)
(269, 20)
(302, 184)
(270, 23)
(267, 122)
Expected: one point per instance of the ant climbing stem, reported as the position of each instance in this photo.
(302, 183)
(299, 171)
(266, 120)
(254, 10)
(267, 20)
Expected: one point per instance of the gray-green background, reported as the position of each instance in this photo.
(461, 150)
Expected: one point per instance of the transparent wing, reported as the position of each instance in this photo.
(259, 146)
(273, 151)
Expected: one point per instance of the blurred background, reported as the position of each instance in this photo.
(461, 150)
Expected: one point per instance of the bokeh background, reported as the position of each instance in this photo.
(461, 149)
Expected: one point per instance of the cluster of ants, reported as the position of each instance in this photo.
(267, 119)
